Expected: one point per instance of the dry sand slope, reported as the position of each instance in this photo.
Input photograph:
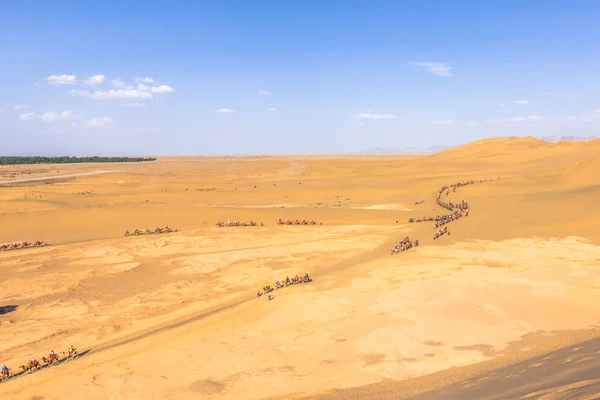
(176, 316)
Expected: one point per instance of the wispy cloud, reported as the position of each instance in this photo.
(438, 69)
(95, 80)
(473, 123)
(55, 116)
(51, 116)
(162, 89)
(21, 107)
(98, 122)
(265, 92)
(521, 102)
(225, 111)
(79, 92)
(133, 105)
(501, 104)
(373, 116)
(552, 94)
(120, 94)
(440, 122)
(62, 79)
(516, 119)
(145, 80)
(117, 83)
(26, 116)
(271, 109)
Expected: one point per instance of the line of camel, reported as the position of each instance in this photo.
(139, 232)
(22, 245)
(34, 365)
(267, 289)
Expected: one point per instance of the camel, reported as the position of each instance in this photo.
(51, 361)
(31, 367)
(6, 375)
(70, 355)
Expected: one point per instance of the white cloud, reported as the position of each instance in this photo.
(117, 83)
(55, 116)
(79, 92)
(261, 91)
(143, 88)
(133, 105)
(21, 106)
(145, 80)
(473, 123)
(95, 80)
(120, 94)
(62, 79)
(440, 122)
(501, 104)
(373, 116)
(435, 68)
(26, 117)
(552, 94)
(271, 109)
(517, 119)
(225, 111)
(97, 122)
(162, 89)
(521, 102)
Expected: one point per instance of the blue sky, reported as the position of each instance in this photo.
(157, 77)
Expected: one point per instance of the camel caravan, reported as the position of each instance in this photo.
(157, 231)
(298, 222)
(33, 365)
(22, 245)
(296, 280)
(404, 245)
(221, 224)
(457, 210)
(441, 232)
(419, 202)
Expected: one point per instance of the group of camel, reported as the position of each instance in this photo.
(404, 245)
(33, 364)
(443, 231)
(221, 224)
(298, 222)
(23, 245)
(419, 202)
(139, 232)
(457, 210)
(281, 284)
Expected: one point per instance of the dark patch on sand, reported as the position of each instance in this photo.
(373, 359)
(207, 386)
(485, 349)
(433, 343)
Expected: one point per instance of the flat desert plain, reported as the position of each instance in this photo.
(514, 287)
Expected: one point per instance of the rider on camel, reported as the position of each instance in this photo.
(33, 362)
(52, 355)
(71, 350)
(4, 370)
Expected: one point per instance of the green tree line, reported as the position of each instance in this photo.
(13, 160)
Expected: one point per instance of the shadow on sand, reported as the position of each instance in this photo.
(7, 309)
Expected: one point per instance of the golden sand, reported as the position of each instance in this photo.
(175, 316)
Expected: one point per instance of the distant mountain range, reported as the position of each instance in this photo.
(554, 139)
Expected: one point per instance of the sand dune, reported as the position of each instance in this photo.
(175, 316)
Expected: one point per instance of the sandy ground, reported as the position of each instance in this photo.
(175, 316)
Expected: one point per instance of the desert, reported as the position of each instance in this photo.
(513, 287)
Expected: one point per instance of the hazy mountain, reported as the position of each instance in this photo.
(554, 139)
